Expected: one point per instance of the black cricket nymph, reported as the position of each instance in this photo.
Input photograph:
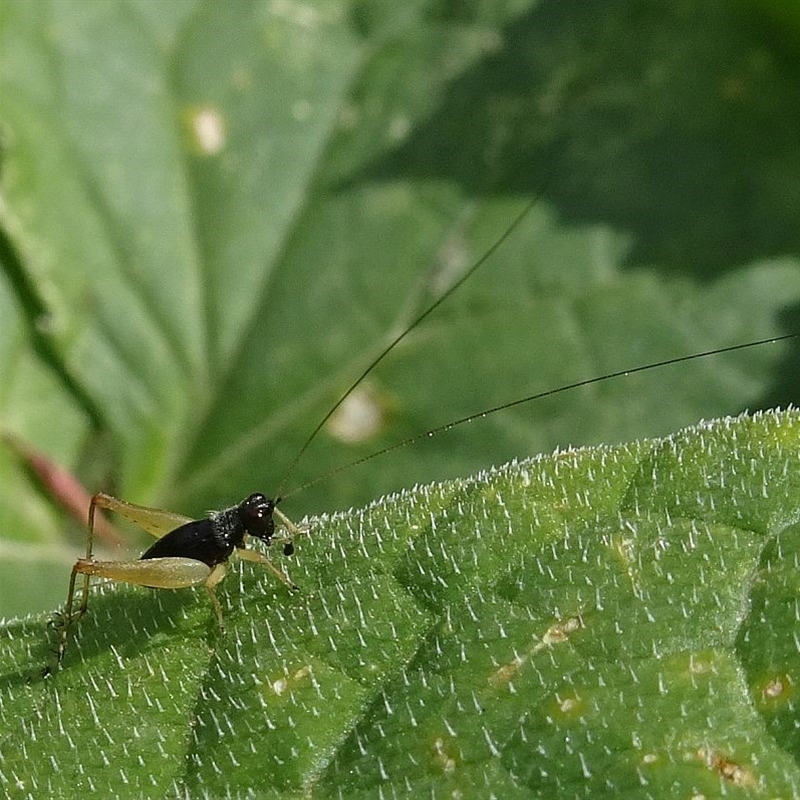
(188, 552)
(214, 539)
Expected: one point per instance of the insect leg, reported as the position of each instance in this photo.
(68, 617)
(156, 521)
(157, 573)
(288, 525)
(260, 558)
(291, 529)
(216, 575)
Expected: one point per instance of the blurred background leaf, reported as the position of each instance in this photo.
(213, 216)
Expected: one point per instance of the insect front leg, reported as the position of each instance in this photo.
(260, 558)
(293, 530)
(289, 526)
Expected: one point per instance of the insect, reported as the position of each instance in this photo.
(187, 553)
(191, 552)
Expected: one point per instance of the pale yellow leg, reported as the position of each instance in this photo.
(294, 530)
(217, 574)
(157, 573)
(156, 521)
(260, 558)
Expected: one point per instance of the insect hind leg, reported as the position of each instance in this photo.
(155, 521)
(64, 621)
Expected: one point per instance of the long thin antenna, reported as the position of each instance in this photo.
(537, 396)
(399, 338)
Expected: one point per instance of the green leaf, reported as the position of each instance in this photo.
(609, 621)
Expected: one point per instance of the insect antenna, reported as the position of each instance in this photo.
(512, 226)
(537, 396)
